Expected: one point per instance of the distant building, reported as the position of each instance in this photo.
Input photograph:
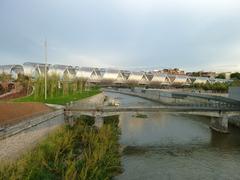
(174, 71)
(202, 74)
(218, 80)
(227, 75)
(224, 75)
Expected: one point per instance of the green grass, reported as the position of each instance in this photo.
(62, 100)
(79, 152)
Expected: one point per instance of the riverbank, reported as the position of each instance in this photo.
(80, 152)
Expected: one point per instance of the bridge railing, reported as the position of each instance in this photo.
(171, 98)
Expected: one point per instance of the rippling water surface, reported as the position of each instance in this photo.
(172, 146)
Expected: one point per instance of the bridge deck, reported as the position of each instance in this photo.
(153, 109)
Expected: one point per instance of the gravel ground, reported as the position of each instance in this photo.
(12, 147)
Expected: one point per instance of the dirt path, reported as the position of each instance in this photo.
(11, 112)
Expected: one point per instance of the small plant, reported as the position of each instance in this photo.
(138, 115)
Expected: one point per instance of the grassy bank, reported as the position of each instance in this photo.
(60, 99)
(81, 152)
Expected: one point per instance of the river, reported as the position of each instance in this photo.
(173, 146)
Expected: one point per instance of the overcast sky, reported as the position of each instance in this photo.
(130, 34)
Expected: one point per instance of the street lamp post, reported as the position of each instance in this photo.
(45, 48)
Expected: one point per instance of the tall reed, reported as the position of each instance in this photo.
(79, 152)
(57, 87)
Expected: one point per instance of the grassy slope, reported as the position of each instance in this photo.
(60, 99)
(81, 152)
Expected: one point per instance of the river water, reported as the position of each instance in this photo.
(173, 146)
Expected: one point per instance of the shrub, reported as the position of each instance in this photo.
(79, 152)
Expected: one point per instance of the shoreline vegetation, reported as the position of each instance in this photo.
(78, 152)
(59, 92)
(61, 100)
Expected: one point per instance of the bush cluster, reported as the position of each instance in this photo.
(215, 87)
(79, 152)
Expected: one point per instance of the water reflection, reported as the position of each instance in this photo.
(172, 146)
(226, 141)
(161, 129)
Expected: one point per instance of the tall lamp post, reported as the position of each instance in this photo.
(45, 51)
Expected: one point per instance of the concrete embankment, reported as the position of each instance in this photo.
(175, 98)
(94, 100)
(168, 98)
(17, 128)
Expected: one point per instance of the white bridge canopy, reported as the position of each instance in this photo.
(105, 76)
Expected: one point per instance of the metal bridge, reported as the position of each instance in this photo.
(218, 108)
(163, 108)
(219, 115)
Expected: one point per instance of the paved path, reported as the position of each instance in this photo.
(13, 146)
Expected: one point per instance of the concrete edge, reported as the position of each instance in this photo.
(20, 127)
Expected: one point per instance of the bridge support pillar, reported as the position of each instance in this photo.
(219, 124)
(68, 115)
(98, 121)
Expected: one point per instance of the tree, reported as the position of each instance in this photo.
(235, 75)
(235, 83)
(221, 76)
